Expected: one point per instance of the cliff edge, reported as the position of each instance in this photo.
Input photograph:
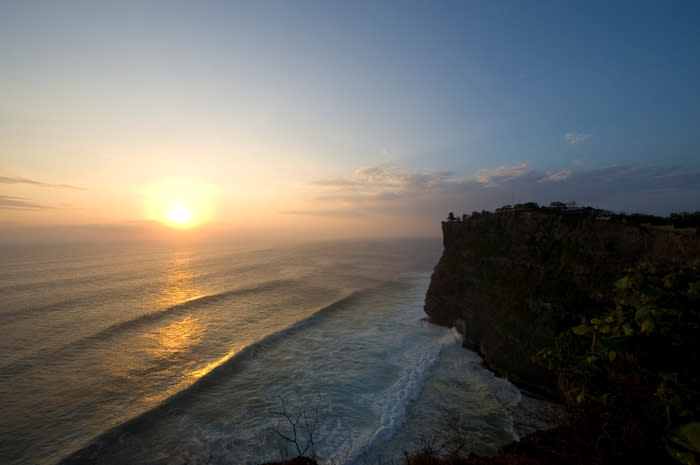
(511, 281)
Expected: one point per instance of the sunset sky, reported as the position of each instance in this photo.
(336, 119)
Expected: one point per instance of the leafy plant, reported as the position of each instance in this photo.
(685, 443)
(636, 365)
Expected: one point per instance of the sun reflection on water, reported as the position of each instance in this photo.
(182, 335)
(176, 337)
(170, 353)
(179, 285)
(210, 366)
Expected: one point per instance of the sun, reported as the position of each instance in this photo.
(179, 203)
(180, 214)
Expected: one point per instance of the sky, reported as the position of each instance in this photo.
(338, 119)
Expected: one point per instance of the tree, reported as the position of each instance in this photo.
(557, 205)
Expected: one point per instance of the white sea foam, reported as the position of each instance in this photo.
(451, 337)
(391, 405)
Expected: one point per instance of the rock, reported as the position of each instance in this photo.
(511, 281)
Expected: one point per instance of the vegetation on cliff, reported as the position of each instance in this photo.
(630, 375)
(677, 220)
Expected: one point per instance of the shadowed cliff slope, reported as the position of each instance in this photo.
(510, 281)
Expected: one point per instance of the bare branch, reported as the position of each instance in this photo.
(301, 429)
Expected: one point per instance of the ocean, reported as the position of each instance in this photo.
(170, 353)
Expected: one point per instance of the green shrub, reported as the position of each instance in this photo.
(637, 366)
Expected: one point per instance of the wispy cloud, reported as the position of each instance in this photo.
(502, 173)
(381, 178)
(574, 138)
(558, 176)
(378, 183)
(32, 182)
(371, 190)
(19, 203)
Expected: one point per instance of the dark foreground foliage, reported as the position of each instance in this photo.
(631, 375)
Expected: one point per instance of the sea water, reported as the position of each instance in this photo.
(166, 353)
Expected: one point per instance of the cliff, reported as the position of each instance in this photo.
(510, 281)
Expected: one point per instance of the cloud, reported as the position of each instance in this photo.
(384, 191)
(389, 191)
(501, 173)
(384, 177)
(576, 137)
(383, 194)
(376, 184)
(558, 176)
(18, 203)
(32, 182)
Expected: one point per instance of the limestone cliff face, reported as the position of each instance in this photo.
(510, 281)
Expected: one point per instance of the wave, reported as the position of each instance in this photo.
(187, 305)
(230, 367)
(393, 404)
(29, 361)
(81, 283)
(79, 270)
(63, 282)
(14, 316)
